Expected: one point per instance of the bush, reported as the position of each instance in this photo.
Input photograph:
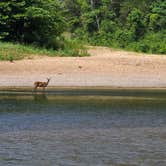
(102, 39)
(73, 48)
(151, 43)
(138, 46)
(11, 51)
(123, 37)
(33, 22)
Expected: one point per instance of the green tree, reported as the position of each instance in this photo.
(126, 6)
(122, 23)
(157, 17)
(45, 22)
(135, 23)
(12, 16)
(31, 21)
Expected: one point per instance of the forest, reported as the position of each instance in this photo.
(136, 25)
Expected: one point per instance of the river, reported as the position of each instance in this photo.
(103, 128)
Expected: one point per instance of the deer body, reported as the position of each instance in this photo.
(41, 84)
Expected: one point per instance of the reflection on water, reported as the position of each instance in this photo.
(40, 97)
(48, 129)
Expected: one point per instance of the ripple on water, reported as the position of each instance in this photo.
(95, 131)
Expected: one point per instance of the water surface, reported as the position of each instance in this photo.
(83, 129)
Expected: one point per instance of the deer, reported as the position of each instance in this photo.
(41, 84)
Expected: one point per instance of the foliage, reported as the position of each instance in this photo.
(31, 21)
(152, 43)
(73, 48)
(11, 51)
(157, 16)
(129, 24)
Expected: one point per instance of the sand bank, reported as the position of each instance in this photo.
(104, 68)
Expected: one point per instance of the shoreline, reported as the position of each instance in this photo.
(81, 89)
(88, 93)
(105, 68)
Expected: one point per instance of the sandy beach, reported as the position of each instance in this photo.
(105, 67)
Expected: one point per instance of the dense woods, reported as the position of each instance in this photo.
(138, 25)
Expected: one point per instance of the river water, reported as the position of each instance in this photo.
(83, 129)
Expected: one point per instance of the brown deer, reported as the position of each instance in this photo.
(41, 84)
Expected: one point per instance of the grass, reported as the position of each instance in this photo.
(13, 51)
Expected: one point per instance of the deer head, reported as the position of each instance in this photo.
(48, 79)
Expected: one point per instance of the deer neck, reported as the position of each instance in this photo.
(48, 81)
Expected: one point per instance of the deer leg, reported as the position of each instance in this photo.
(35, 88)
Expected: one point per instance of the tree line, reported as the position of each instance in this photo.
(138, 25)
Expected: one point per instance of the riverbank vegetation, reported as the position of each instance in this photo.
(127, 24)
(137, 25)
(15, 51)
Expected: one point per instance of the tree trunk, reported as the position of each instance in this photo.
(96, 16)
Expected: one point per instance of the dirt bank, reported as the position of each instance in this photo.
(105, 67)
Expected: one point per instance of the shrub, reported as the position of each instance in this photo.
(151, 43)
(74, 48)
(124, 37)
